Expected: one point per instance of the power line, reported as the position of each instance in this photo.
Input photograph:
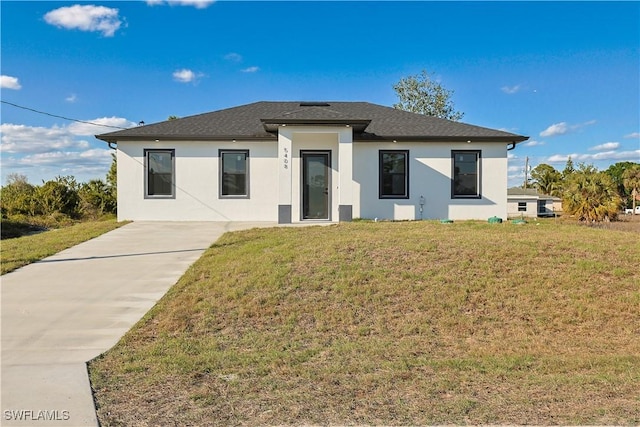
(61, 117)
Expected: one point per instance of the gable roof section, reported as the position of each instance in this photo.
(259, 121)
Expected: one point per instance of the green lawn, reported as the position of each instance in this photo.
(24, 250)
(386, 323)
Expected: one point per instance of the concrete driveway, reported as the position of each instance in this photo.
(65, 310)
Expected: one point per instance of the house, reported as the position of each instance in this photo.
(529, 203)
(311, 161)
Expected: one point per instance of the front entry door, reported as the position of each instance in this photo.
(316, 176)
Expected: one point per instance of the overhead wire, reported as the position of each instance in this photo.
(61, 117)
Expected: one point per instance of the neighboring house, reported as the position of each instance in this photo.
(528, 202)
(311, 161)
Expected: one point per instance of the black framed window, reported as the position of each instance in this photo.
(159, 165)
(234, 173)
(522, 206)
(465, 182)
(394, 174)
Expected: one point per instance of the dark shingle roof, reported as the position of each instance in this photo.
(259, 121)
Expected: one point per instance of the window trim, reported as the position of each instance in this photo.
(522, 206)
(221, 152)
(406, 194)
(146, 153)
(478, 194)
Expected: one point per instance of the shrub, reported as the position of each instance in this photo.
(96, 198)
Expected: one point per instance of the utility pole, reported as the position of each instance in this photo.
(526, 172)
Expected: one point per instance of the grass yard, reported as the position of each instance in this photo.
(20, 251)
(389, 323)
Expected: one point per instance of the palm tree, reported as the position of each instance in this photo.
(591, 196)
(631, 181)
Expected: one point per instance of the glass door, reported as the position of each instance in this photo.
(316, 184)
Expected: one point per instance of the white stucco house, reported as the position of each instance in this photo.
(527, 202)
(311, 161)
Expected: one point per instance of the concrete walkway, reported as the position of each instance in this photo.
(65, 310)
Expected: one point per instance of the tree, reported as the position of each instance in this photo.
(616, 172)
(631, 182)
(568, 169)
(18, 196)
(96, 198)
(547, 179)
(591, 195)
(59, 195)
(424, 95)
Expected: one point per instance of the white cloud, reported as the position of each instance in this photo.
(533, 143)
(20, 139)
(42, 153)
(233, 57)
(251, 70)
(8, 82)
(607, 146)
(198, 4)
(71, 98)
(110, 124)
(586, 158)
(510, 90)
(555, 129)
(86, 18)
(563, 128)
(633, 135)
(186, 76)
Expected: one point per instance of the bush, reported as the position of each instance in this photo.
(96, 199)
(18, 197)
(59, 195)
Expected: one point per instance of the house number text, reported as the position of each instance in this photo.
(285, 158)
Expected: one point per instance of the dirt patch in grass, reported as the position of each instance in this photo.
(389, 324)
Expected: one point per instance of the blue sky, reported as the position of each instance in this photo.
(566, 74)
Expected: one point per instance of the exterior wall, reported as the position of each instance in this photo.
(430, 173)
(532, 207)
(275, 180)
(533, 211)
(197, 183)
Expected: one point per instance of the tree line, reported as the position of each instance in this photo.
(587, 193)
(57, 201)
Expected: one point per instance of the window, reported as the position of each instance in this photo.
(394, 175)
(159, 173)
(234, 173)
(466, 174)
(522, 206)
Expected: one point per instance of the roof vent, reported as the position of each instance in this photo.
(314, 104)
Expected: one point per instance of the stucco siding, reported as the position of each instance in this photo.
(197, 183)
(430, 171)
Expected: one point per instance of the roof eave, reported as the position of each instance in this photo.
(515, 139)
(156, 138)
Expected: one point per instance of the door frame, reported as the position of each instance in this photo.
(303, 155)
